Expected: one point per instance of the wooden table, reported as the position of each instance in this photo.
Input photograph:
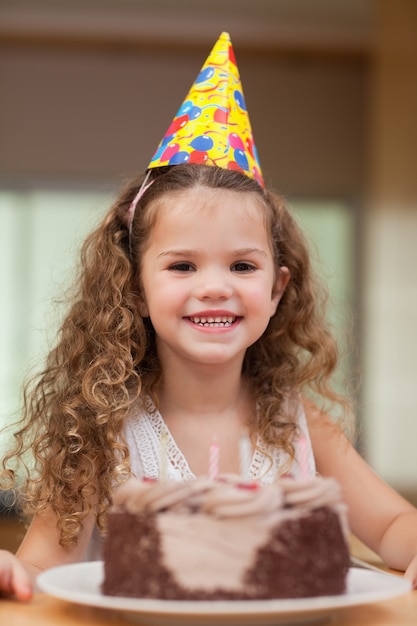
(44, 610)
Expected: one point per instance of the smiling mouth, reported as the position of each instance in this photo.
(213, 322)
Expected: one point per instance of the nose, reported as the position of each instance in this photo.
(213, 284)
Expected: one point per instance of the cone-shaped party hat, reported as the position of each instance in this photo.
(212, 125)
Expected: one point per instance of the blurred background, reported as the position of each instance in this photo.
(88, 88)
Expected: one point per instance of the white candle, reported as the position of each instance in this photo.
(163, 456)
(245, 457)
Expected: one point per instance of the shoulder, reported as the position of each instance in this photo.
(328, 439)
(321, 422)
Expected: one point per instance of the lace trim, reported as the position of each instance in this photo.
(269, 463)
(146, 429)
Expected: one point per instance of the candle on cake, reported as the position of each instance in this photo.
(163, 456)
(214, 455)
(245, 457)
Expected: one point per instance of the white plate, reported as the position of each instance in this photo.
(81, 583)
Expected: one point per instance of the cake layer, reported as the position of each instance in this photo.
(224, 540)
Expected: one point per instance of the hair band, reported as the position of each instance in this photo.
(132, 208)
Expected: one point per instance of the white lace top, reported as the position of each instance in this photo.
(146, 429)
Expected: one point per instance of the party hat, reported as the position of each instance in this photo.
(212, 125)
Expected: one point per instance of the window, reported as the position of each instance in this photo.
(41, 233)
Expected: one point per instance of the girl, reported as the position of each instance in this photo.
(196, 315)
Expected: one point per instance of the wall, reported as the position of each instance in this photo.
(390, 287)
(71, 113)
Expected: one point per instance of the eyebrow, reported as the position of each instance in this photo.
(183, 253)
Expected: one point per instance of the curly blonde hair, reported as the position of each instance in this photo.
(105, 357)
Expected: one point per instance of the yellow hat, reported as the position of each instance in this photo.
(212, 125)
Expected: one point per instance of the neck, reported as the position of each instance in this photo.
(203, 404)
(202, 390)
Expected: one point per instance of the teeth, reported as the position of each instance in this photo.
(213, 321)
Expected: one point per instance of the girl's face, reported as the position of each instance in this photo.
(209, 284)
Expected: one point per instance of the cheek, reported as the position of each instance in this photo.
(162, 294)
(262, 301)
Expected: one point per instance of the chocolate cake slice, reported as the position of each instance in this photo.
(212, 540)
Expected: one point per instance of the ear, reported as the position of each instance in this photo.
(142, 306)
(279, 288)
(143, 309)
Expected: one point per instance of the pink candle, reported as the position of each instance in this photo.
(303, 457)
(214, 454)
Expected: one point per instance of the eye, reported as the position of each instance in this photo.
(243, 266)
(181, 267)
